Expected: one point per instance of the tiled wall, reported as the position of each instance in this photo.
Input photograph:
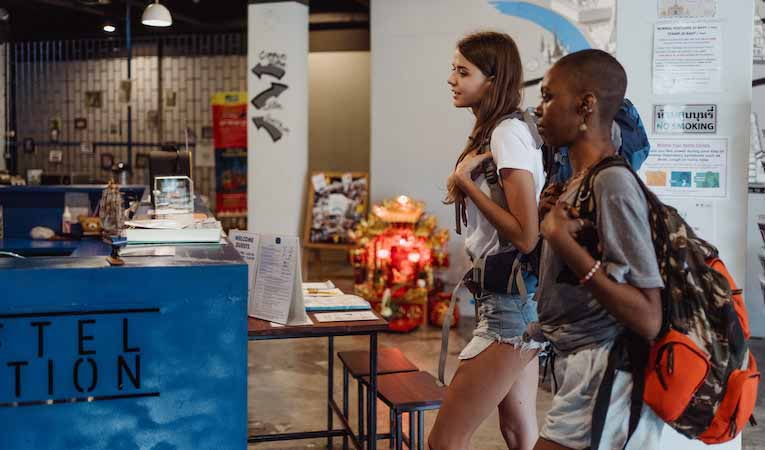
(57, 91)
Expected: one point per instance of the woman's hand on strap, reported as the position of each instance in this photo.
(562, 222)
(548, 198)
(463, 173)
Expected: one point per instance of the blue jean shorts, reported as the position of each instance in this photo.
(500, 318)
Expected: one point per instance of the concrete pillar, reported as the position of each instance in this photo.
(277, 117)
(636, 22)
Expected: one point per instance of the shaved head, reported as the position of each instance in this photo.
(599, 73)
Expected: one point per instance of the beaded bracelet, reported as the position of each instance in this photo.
(591, 273)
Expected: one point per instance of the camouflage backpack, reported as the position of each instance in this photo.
(698, 375)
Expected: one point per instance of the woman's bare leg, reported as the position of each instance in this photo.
(479, 385)
(518, 410)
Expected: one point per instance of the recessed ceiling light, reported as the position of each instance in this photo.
(109, 28)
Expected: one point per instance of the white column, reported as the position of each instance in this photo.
(636, 21)
(277, 117)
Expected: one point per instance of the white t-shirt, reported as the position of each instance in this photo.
(512, 148)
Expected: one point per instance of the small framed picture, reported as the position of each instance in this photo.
(152, 119)
(94, 99)
(107, 161)
(142, 160)
(170, 99)
(126, 87)
(86, 148)
(29, 145)
(55, 156)
(207, 133)
(80, 123)
(34, 176)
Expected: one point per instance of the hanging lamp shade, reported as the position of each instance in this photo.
(156, 15)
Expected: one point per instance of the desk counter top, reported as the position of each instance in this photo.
(262, 329)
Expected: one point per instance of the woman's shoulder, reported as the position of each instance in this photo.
(510, 128)
(619, 181)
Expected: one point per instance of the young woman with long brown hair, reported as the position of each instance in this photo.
(497, 370)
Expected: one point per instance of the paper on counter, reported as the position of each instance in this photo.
(321, 293)
(346, 316)
(336, 303)
(319, 285)
(176, 223)
(147, 250)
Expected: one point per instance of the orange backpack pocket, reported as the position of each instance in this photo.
(736, 407)
(676, 369)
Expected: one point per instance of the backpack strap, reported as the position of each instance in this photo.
(490, 171)
(635, 349)
(445, 327)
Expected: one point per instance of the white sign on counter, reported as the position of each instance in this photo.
(278, 286)
(275, 280)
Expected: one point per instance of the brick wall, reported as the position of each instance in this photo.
(56, 91)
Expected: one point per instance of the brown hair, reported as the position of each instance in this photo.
(495, 55)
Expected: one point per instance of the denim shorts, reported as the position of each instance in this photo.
(500, 318)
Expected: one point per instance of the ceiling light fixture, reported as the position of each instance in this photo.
(109, 28)
(156, 15)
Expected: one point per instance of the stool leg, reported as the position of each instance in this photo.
(392, 428)
(345, 403)
(399, 437)
(411, 430)
(420, 430)
(361, 410)
(330, 385)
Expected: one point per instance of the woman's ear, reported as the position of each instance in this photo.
(587, 103)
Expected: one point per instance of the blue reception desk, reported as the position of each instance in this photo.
(151, 355)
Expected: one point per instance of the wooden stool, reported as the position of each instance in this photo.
(356, 364)
(409, 392)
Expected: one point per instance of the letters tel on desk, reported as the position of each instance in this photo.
(53, 358)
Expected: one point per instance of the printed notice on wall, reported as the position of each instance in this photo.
(687, 57)
(674, 9)
(684, 119)
(686, 167)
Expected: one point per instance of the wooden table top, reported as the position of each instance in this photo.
(262, 329)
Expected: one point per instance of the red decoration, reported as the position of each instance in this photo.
(399, 249)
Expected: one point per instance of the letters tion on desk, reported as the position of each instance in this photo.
(93, 357)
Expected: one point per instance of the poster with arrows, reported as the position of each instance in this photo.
(271, 68)
(229, 111)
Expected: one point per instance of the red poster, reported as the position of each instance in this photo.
(230, 139)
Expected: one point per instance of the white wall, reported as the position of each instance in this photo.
(416, 133)
(338, 111)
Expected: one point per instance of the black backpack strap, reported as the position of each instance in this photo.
(637, 352)
(603, 398)
(634, 349)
